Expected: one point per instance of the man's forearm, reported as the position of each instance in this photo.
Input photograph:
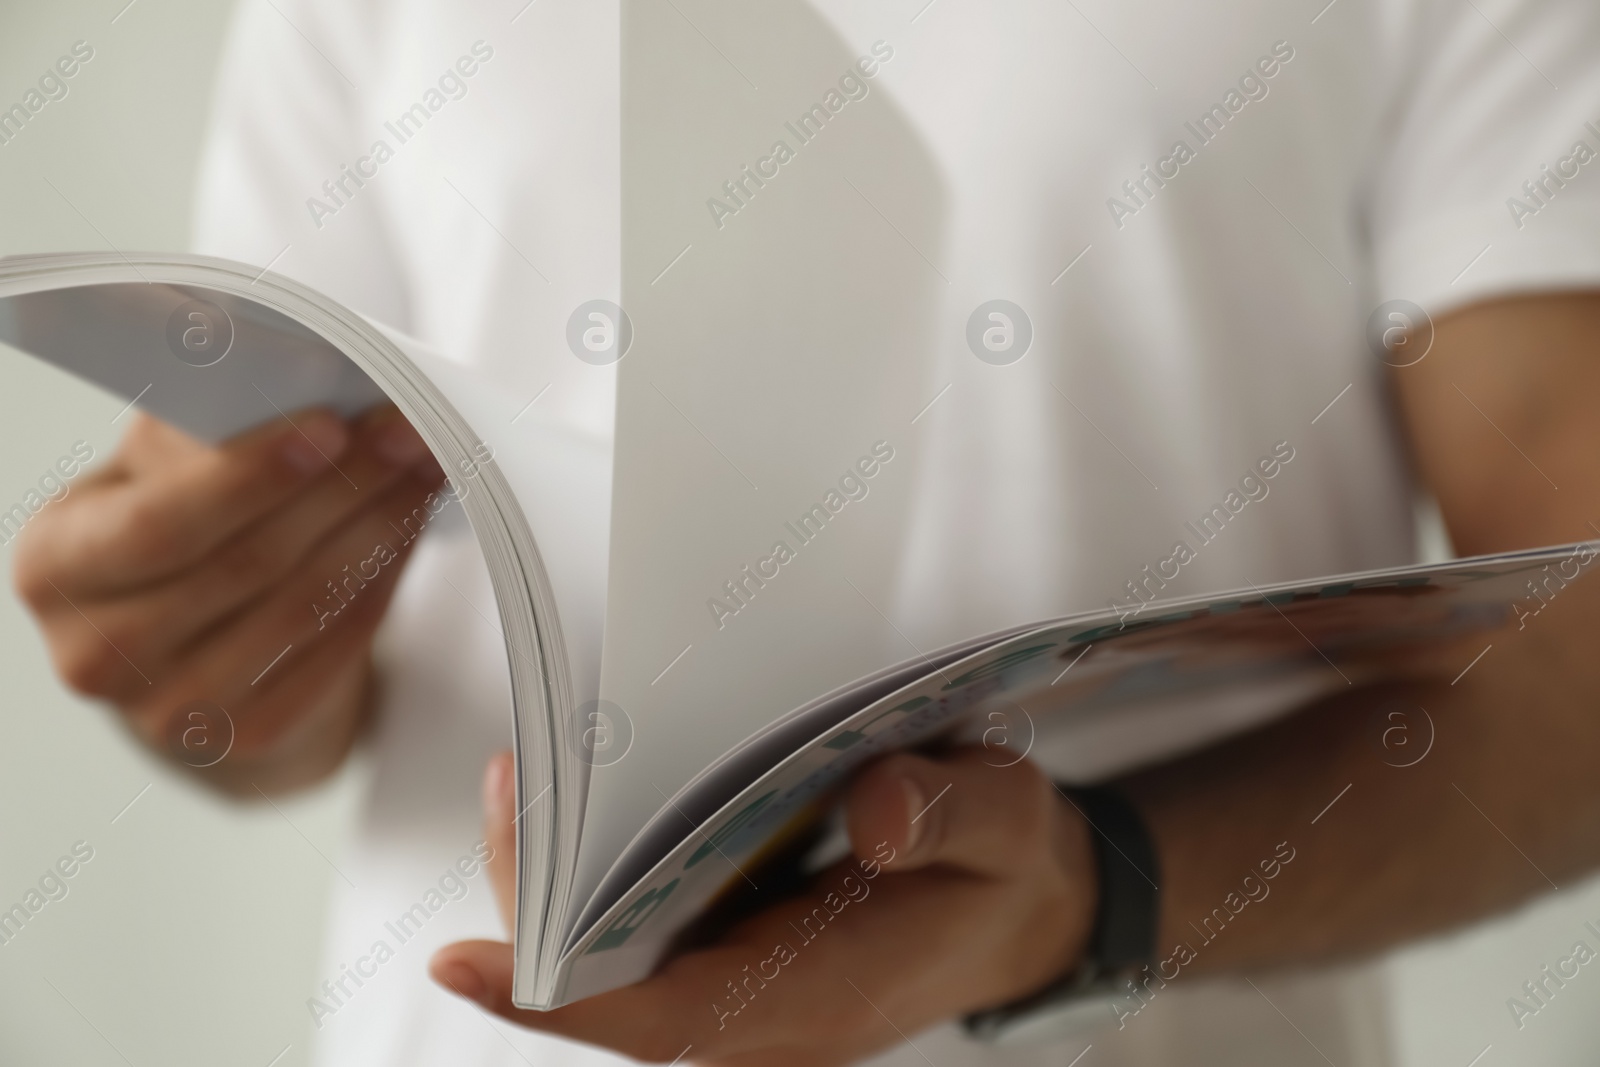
(1387, 846)
(1506, 803)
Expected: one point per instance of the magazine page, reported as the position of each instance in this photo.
(210, 362)
(216, 363)
(1113, 692)
(766, 405)
(753, 757)
(562, 482)
(216, 348)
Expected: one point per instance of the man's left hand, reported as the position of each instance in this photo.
(971, 885)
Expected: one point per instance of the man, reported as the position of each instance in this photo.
(1331, 161)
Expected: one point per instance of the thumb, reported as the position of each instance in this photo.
(500, 831)
(479, 971)
(956, 810)
(482, 971)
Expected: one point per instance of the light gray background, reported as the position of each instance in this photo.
(192, 936)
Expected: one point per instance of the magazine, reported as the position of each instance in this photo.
(216, 348)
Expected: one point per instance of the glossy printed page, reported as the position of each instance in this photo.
(1103, 692)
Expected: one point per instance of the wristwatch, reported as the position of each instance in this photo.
(1121, 945)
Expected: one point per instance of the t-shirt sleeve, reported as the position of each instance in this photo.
(1488, 180)
(286, 115)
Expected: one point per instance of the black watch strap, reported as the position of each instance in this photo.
(1122, 941)
(1125, 923)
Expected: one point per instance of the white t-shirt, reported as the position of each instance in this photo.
(1191, 308)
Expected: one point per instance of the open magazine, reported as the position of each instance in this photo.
(216, 348)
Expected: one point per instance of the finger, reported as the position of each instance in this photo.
(873, 951)
(467, 969)
(647, 1021)
(500, 818)
(170, 613)
(884, 960)
(338, 593)
(958, 810)
(795, 964)
(297, 733)
(260, 648)
(111, 658)
(171, 513)
(874, 956)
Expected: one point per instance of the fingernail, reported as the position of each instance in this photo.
(915, 805)
(463, 980)
(314, 443)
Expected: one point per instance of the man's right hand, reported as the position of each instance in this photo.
(181, 573)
